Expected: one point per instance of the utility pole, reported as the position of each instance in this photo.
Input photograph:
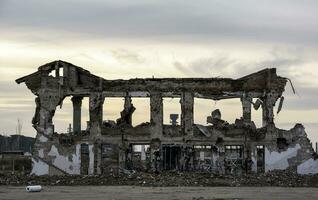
(18, 132)
(18, 128)
(69, 129)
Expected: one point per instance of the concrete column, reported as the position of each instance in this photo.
(46, 106)
(96, 102)
(122, 155)
(268, 108)
(156, 114)
(254, 157)
(247, 108)
(155, 151)
(97, 157)
(77, 111)
(187, 101)
(128, 109)
(268, 113)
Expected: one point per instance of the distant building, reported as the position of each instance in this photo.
(16, 143)
(15, 154)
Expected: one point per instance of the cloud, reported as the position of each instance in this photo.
(126, 39)
(306, 99)
(274, 21)
(125, 56)
(208, 66)
(222, 64)
(287, 61)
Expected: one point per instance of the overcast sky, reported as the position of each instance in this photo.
(128, 39)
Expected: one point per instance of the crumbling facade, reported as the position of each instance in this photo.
(108, 146)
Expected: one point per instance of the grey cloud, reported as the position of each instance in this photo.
(10, 89)
(283, 59)
(9, 120)
(191, 20)
(209, 66)
(126, 56)
(225, 66)
(306, 99)
(292, 22)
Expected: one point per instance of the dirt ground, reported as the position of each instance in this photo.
(157, 193)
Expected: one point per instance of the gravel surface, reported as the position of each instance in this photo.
(157, 193)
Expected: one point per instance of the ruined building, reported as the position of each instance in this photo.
(109, 146)
(12, 143)
(15, 154)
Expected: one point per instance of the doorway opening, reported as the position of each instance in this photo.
(110, 158)
(84, 159)
(260, 159)
(171, 155)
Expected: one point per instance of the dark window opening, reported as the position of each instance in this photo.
(203, 157)
(282, 144)
(171, 155)
(219, 141)
(234, 159)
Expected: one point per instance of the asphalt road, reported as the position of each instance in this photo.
(157, 193)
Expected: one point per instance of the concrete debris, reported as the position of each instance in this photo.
(173, 119)
(203, 130)
(107, 146)
(216, 120)
(280, 106)
(216, 114)
(126, 115)
(257, 104)
(274, 178)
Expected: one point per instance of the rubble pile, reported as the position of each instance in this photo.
(275, 178)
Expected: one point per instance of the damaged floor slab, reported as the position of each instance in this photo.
(107, 146)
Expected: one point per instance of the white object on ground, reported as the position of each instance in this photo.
(34, 188)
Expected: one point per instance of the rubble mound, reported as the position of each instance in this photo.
(166, 179)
